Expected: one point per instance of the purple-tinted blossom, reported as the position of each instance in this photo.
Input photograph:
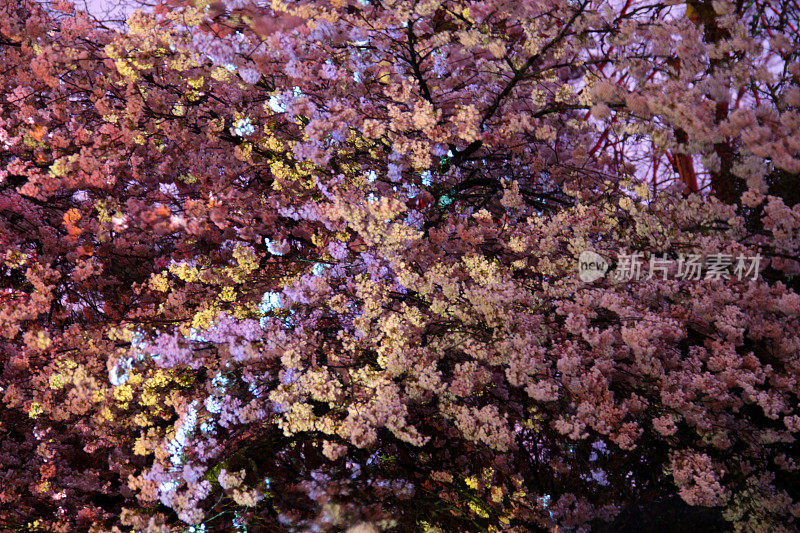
(168, 352)
(394, 172)
(329, 72)
(249, 75)
(338, 250)
(415, 218)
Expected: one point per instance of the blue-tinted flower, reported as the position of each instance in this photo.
(220, 381)
(194, 335)
(276, 248)
(213, 405)
(318, 269)
(239, 523)
(118, 375)
(270, 301)
(243, 127)
(275, 104)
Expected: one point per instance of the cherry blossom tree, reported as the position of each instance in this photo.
(312, 265)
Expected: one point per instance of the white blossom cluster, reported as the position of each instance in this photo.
(243, 127)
